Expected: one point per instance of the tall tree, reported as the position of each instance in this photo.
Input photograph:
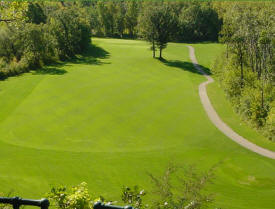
(131, 17)
(120, 18)
(157, 24)
(35, 13)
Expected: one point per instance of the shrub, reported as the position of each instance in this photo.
(251, 106)
(133, 196)
(232, 84)
(270, 123)
(75, 198)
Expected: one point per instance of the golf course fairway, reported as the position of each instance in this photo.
(115, 114)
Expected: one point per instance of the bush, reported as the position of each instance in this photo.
(251, 106)
(232, 84)
(75, 198)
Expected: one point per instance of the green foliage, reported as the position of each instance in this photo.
(270, 123)
(5, 206)
(251, 106)
(6, 43)
(182, 188)
(35, 13)
(157, 24)
(133, 196)
(71, 34)
(75, 198)
(131, 17)
(247, 69)
(32, 44)
(198, 22)
(195, 21)
(13, 12)
(188, 192)
(40, 33)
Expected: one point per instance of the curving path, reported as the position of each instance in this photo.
(214, 117)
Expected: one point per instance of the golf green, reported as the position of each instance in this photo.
(112, 116)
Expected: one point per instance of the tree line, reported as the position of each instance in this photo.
(155, 21)
(36, 33)
(247, 69)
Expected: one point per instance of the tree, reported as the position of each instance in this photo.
(35, 13)
(157, 24)
(106, 17)
(6, 43)
(198, 22)
(147, 28)
(120, 18)
(71, 33)
(248, 72)
(13, 12)
(131, 17)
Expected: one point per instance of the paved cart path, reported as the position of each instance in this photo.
(214, 117)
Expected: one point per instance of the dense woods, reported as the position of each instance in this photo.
(36, 33)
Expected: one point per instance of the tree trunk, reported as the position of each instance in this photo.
(262, 94)
(241, 61)
(160, 53)
(154, 49)
(226, 51)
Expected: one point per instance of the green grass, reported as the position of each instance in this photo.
(111, 117)
(206, 55)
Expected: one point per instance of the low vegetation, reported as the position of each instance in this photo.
(188, 192)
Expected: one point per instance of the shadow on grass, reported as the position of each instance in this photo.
(186, 66)
(92, 56)
(49, 71)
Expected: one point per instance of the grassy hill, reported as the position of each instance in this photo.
(113, 115)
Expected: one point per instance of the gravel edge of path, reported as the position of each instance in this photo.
(216, 120)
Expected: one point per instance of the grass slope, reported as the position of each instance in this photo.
(113, 115)
(206, 55)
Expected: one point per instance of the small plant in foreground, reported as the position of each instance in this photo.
(182, 190)
(75, 198)
(177, 188)
(133, 196)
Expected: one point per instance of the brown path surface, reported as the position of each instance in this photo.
(214, 117)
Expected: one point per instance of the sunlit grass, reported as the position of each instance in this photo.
(114, 115)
